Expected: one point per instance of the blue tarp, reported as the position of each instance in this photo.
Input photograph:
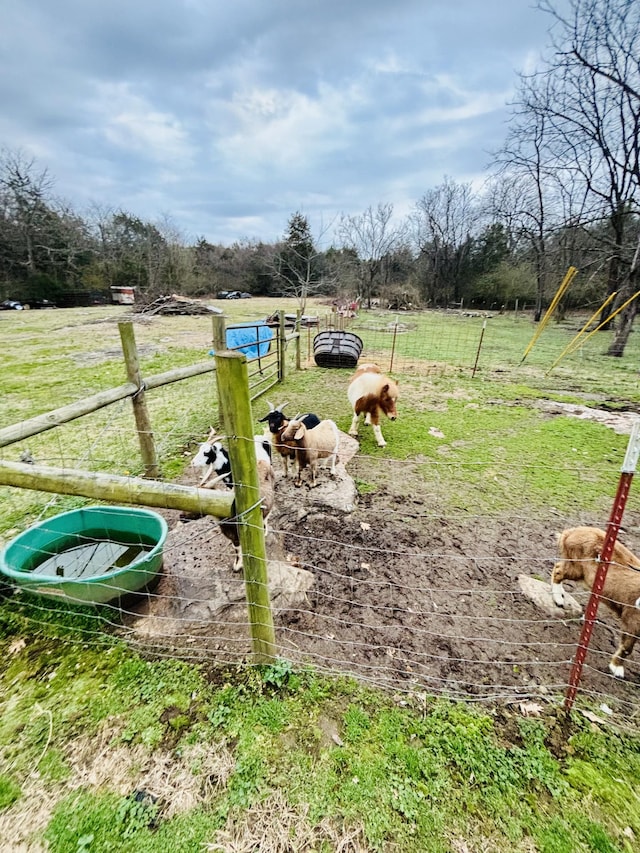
(252, 339)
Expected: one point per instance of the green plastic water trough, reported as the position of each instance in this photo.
(88, 556)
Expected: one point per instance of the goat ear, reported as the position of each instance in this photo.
(385, 388)
(300, 432)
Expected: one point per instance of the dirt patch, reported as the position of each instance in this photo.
(620, 422)
(86, 359)
(399, 596)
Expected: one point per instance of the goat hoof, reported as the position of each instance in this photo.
(557, 594)
(190, 516)
(616, 671)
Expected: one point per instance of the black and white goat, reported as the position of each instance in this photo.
(276, 422)
(213, 463)
(215, 458)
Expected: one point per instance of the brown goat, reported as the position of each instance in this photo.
(276, 425)
(312, 445)
(580, 549)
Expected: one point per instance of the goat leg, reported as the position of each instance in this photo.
(557, 590)
(627, 642)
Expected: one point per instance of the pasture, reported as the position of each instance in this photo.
(415, 588)
(417, 585)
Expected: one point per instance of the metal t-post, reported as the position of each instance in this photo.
(611, 534)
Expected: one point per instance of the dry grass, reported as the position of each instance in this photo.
(178, 783)
(23, 823)
(274, 826)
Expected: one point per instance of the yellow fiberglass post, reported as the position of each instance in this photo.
(609, 318)
(566, 281)
(573, 343)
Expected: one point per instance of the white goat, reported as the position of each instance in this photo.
(311, 445)
(580, 549)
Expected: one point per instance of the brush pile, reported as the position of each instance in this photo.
(175, 304)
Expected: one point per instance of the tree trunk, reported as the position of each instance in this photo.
(624, 330)
(618, 344)
(541, 280)
(613, 282)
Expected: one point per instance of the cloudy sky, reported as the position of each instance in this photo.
(229, 116)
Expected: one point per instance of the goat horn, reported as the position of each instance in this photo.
(213, 437)
(272, 408)
(207, 483)
(281, 407)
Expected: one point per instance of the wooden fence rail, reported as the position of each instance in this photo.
(243, 502)
(57, 417)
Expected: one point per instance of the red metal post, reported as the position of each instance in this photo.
(611, 534)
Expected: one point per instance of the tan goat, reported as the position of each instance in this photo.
(580, 549)
(312, 445)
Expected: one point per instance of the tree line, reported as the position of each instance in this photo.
(562, 191)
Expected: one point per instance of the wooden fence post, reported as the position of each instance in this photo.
(140, 411)
(219, 344)
(233, 384)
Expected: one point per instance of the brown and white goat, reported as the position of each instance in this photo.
(580, 549)
(311, 445)
(276, 421)
(372, 394)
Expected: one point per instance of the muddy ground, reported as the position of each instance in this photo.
(385, 589)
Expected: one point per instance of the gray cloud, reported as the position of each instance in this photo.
(228, 117)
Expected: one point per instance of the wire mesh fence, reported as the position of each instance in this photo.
(421, 582)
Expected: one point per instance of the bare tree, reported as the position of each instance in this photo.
(372, 235)
(26, 193)
(443, 221)
(298, 263)
(523, 195)
(179, 258)
(591, 106)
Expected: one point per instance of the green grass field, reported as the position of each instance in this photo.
(56, 357)
(103, 751)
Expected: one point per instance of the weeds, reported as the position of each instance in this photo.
(327, 750)
(414, 777)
